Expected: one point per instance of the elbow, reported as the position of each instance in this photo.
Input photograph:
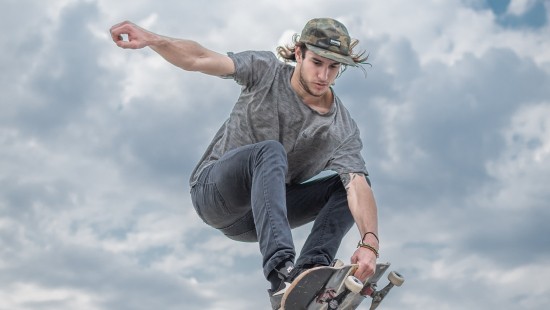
(368, 180)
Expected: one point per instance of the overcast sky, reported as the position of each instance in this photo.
(97, 144)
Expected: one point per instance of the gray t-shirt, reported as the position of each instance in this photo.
(269, 109)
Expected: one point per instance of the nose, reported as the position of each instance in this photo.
(322, 74)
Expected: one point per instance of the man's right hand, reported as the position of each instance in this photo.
(186, 54)
(137, 36)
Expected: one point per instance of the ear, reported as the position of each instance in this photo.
(298, 54)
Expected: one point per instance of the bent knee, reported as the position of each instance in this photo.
(270, 148)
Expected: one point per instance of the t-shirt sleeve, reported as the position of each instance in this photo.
(347, 158)
(252, 66)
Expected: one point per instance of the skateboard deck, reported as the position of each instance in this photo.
(335, 287)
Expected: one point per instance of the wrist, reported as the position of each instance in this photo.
(371, 238)
(369, 247)
(370, 242)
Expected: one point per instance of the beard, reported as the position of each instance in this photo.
(309, 90)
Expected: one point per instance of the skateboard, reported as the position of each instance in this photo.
(335, 287)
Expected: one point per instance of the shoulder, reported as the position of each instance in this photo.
(344, 118)
(253, 66)
(254, 57)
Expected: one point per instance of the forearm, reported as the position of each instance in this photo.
(363, 207)
(185, 54)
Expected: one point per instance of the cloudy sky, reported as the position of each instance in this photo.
(97, 144)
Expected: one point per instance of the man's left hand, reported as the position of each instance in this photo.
(366, 259)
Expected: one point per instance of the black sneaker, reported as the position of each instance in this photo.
(287, 273)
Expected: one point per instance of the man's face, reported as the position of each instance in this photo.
(316, 73)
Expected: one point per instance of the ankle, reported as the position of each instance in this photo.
(280, 274)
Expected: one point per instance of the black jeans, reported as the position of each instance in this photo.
(244, 195)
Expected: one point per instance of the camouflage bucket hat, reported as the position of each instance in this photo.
(328, 38)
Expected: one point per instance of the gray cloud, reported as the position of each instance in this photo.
(97, 143)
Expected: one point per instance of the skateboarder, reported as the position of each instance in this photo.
(287, 126)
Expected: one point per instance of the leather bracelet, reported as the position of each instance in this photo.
(370, 233)
(361, 244)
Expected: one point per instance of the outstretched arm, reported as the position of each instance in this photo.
(365, 213)
(186, 54)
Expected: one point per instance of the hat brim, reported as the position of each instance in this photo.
(347, 60)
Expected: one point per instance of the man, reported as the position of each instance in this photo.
(286, 127)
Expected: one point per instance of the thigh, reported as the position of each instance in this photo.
(306, 200)
(221, 195)
(233, 178)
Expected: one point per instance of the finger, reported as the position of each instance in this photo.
(120, 41)
(116, 34)
(125, 44)
(116, 26)
(364, 272)
(360, 275)
(117, 30)
(363, 276)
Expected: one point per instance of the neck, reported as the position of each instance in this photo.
(320, 103)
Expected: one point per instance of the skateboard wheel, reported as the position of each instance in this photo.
(395, 278)
(337, 263)
(353, 284)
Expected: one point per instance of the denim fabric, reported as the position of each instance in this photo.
(244, 195)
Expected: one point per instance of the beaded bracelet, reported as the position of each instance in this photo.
(361, 244)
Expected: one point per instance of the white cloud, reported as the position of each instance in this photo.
(96, 145)
(519, 7)
(16, 297)
(524, 166)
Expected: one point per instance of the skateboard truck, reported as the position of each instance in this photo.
(395, 279)
(352, 285)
